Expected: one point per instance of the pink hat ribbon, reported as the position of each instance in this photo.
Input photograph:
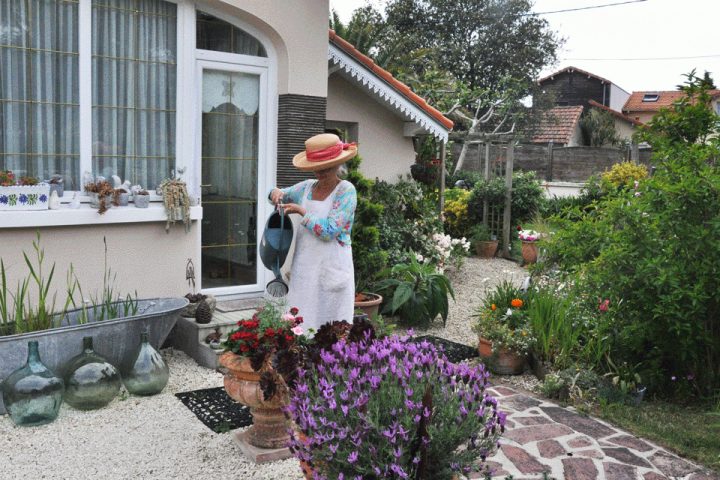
(328, 153)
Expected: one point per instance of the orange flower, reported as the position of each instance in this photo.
(493, 307)
(516, 303)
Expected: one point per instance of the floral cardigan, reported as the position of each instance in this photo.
(338, 224)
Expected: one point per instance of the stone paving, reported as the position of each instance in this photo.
(542, 437)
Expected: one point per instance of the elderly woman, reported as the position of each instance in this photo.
(322, 279)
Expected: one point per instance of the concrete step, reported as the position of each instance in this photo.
(189, 336)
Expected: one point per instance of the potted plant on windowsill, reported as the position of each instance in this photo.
(176, 201)
(101, 195)
(483, 241)
(26, 194)
(141, 198)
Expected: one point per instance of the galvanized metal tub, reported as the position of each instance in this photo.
(117, 340)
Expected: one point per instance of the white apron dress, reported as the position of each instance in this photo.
(322, 279)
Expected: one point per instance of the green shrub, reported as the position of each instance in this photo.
(527, 196)
(624, 175)
(416, 292)
(654, 255)
(369, 258)
(408, 221)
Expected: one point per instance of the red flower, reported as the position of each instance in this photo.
(294, 311)
(269, 332)
(518, 228)
(298, 320)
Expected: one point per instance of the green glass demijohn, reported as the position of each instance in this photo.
(32, 394)
(91, 381)
(149, 373)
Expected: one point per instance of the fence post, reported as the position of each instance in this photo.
(442, 177)
(508, 198)
(635, 153)
(486, 204)
(549, 170)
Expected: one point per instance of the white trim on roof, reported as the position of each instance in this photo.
(386, 93)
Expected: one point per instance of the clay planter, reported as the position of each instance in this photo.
(486, 249)
(369, 303)
(529, 252)
(503, 362)
(242, 384)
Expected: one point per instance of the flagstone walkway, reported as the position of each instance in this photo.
(543, 437)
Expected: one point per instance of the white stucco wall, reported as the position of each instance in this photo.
(299, 32)
(576, 138)
(386, 153)
(624, 130)
(618, 97)
(143, 256)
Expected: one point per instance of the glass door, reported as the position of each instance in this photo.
(230, 136)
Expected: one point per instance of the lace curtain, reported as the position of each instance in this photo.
(39, 93)
(133, 84)
(133, 89)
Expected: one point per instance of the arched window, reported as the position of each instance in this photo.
(220, 36)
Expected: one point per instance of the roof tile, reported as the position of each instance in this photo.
(558, 125)
(665, 99)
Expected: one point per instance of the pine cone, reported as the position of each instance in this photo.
(203, 314)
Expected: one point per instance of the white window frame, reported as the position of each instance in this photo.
(186, 121)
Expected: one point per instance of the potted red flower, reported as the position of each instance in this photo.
(268, 338)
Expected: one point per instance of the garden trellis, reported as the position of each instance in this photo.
(497, 162)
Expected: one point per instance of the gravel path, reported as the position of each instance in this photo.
(159, 438)
(470, 283)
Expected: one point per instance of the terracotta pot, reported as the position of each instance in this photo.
(485, 348)
(503, 362)
(369, 307)
(242, 384)
(486, 249)
(529, 252)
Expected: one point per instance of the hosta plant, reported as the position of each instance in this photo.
(416, 292)
(392, 408)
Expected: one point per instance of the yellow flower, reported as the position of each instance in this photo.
(516, 303)
(524, 333)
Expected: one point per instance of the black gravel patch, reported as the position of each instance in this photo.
(455, 352)
(216, 409)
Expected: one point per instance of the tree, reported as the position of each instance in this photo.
(598, 129)
(482, 42)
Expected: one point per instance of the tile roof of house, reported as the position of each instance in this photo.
(558, 125)
(665, 99)
(574, 69)
(403, 89)
(615, 113)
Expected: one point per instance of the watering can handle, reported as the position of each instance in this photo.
(282, 237)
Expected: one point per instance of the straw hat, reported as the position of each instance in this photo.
(324, 151)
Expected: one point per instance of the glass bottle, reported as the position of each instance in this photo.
(32, 394)
(149, 373)
(91, 381)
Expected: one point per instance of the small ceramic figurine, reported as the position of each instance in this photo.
(214, 340)
(75, 202)
(54, 203)
(126, 186)
(117, 182)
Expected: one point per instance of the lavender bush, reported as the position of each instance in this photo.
(392, 408)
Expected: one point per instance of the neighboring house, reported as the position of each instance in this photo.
(573, 86)
(561, 126)
(625, 126)
(379, 112)
(642, 106)
(224, 91)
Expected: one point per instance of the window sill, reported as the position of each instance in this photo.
(86, 215)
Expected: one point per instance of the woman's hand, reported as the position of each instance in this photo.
(288, 208)
(276, 196)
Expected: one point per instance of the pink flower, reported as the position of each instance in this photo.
(604, 305)
(288, 317)
(297, 330)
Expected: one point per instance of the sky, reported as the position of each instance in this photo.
(650, 30)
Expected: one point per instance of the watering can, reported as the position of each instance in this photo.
(274, 248)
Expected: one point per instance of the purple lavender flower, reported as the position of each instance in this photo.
(352, 458)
